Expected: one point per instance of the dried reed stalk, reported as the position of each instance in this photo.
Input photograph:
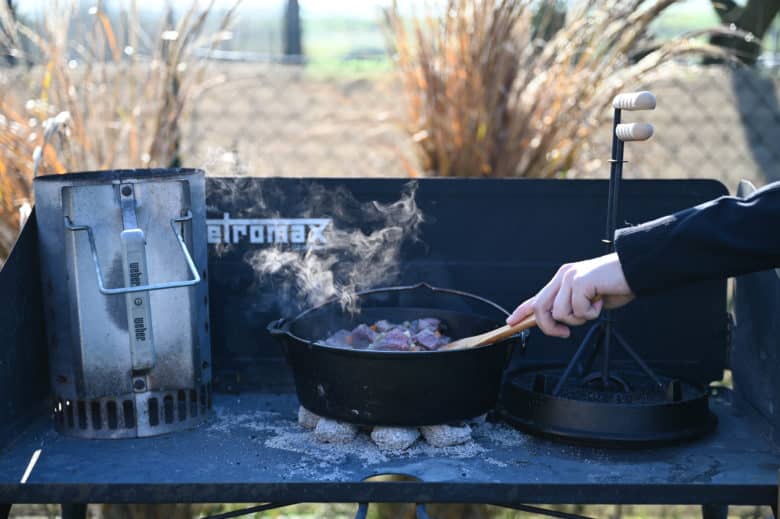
(98, 93)
(486, 97)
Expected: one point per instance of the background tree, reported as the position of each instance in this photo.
(754, 19)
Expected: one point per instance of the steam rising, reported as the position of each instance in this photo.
(362, 251)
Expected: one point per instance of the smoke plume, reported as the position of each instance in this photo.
(362, 249)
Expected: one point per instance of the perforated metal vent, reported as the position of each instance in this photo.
(133, 415)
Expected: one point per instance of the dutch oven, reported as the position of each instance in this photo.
(403, 388)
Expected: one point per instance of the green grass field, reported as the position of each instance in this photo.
(340, 45)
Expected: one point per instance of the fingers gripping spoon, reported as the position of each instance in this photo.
(496, 335)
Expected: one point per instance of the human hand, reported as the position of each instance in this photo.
(568, 299)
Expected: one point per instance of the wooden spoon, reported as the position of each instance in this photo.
(494, 335)
(491, 336)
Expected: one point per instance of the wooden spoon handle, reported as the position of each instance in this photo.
(496, 335)
(491, 336)
(505, 331)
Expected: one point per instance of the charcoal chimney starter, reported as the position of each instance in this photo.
(123, 270)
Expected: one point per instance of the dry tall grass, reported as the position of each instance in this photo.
(99, 94)
(485, 96)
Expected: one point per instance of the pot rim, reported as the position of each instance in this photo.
(282, 326)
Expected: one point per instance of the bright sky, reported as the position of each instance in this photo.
(317, 8)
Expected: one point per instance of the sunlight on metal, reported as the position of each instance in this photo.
(30, 466)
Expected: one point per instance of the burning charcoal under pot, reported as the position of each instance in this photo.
(387, 438)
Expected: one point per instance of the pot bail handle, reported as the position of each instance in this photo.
(277, 327)
(69, 225)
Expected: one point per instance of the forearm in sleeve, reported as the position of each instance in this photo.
(725, 237)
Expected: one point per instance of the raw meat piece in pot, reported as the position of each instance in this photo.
(418, 335)
(427, 338)
(362, 337)
(383, 326)
(394, 340)
(426, 323)
(340, 339)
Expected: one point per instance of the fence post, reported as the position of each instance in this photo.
(292, 29)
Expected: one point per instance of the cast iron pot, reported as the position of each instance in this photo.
(392, 387)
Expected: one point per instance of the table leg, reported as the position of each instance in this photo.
(74, 510)
(776, 506)
(714, 511)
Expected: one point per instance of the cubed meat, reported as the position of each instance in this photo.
(428, 323)
(394, 340)
(384, 326)
(418, 335)
(362, 337)
(427, 338)
(340, 339)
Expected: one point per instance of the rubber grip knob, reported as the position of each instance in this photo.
(634, 131)
(643, 100)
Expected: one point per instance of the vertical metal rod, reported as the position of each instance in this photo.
(573, 362)
(615, 176)
(613, 199)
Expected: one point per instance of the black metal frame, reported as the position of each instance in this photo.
(55, 481)
(602, 332)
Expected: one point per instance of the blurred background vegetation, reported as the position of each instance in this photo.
(364, 88)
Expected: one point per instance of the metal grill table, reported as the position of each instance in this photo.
(735, 465)
(248, 451)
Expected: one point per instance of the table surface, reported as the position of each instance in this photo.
(252, 450)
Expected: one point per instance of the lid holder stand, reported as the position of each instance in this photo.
(601, 335)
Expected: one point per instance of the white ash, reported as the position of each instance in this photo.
(332, 431)
(275, 430)
(446, 435)
(307, 419)
(499, 434)
(394, 438)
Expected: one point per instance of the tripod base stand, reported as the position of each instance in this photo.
(599, 338)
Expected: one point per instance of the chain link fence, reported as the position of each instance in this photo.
(267, 119)
(712, 122)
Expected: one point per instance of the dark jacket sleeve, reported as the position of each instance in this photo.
(725, 237)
